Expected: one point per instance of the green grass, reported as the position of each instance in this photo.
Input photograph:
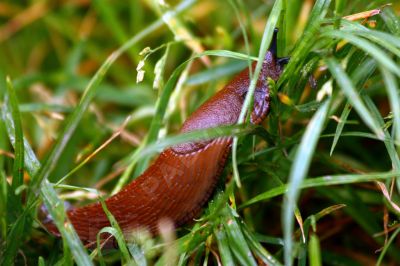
(317, 184)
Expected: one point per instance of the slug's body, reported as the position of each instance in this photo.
(182, 178)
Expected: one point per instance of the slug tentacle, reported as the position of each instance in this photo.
(183, 177)
(282, 61)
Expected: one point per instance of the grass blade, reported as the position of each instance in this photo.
(348, 89)
(14, 200)
(223, 246)
(18, 166)
(393, 96)
(340, 126)
(389, 143)
(385, 248)
(314, 251)
(237, 242)
(3, 206)
(56, 210)
(259, 250)
(298, 172)
(116, 232)
(329, 180)
(392, 20)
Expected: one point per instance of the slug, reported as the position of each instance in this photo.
(183, 177)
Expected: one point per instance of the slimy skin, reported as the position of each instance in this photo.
(181, 180)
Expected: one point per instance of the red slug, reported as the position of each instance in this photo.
(183, 177)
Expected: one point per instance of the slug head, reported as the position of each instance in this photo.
(272, 68)
(224, 107)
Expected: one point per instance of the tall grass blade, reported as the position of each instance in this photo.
(298, 173)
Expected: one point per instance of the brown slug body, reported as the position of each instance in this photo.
(182, 178)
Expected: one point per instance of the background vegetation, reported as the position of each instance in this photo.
(320, 180)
